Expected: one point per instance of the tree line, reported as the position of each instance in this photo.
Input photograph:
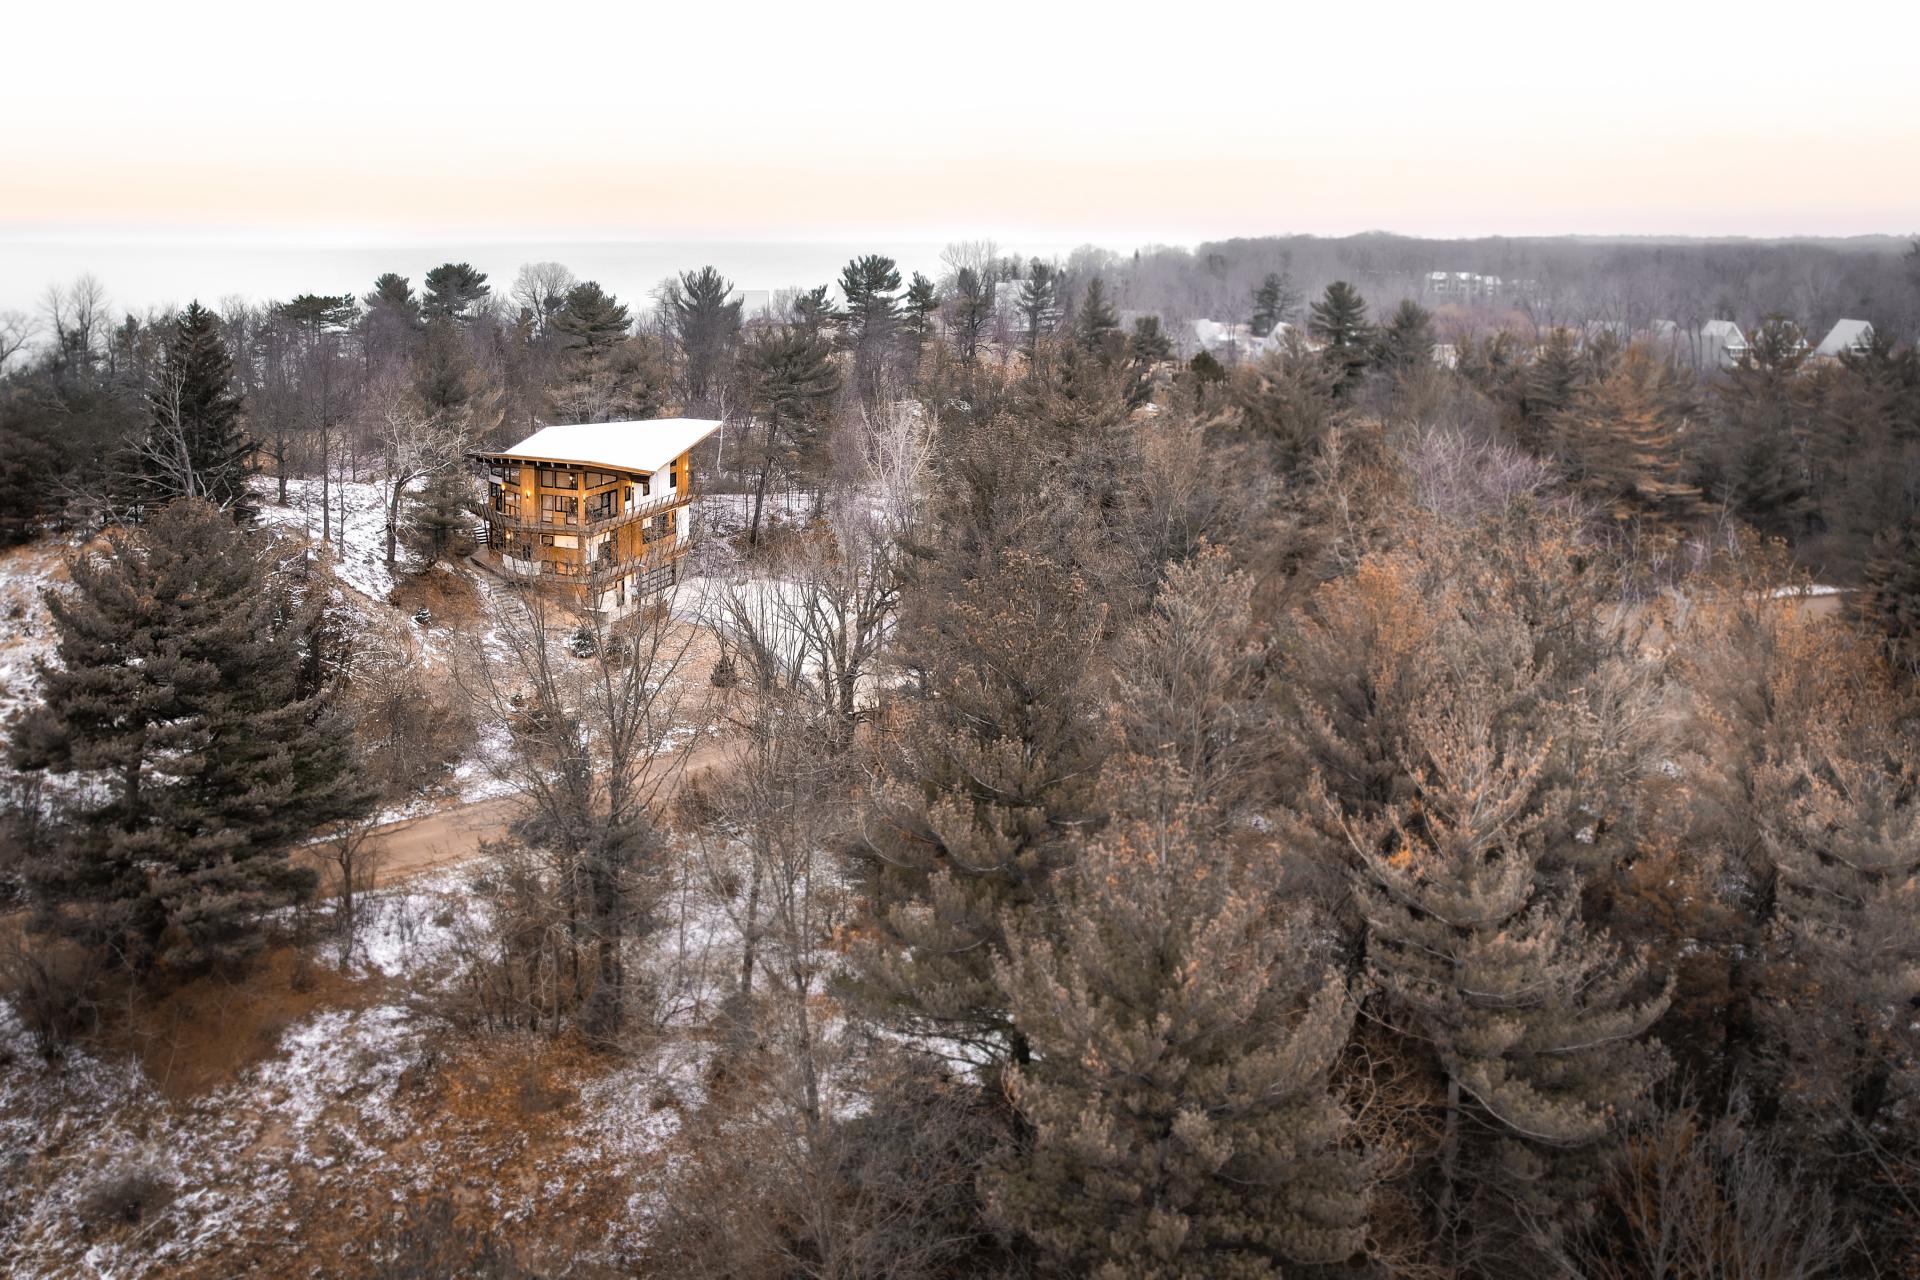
(1322, 812)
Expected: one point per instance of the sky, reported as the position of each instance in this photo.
(1117, 124)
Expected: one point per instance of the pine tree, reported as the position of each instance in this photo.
(921, 305)
(438, 525)
(190, 694)
(1548, 386)
(1180, 1118)
(591, 319)
(1406, 342)
(871, 286)
(1339, 321)
(1620, 440)
(792, 382)
(1039, 305)
(706, 319)
(1537, 1023)
(813, 312)
(989, 774)
(1889, 603)
(1148, 344)
(454, 291)
(1095, 324)
(195, 446)
(1289, 402)
(1274, 303)
(1843, 829)
(1764, 421)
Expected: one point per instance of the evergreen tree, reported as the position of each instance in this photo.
(991, 773)
(454, 291)
(195, 446)
(1148, 344)
(1759, 466)
(921, 305)
(591, 320)
(438, 525)
(1274, 303)
(1406, 342)
(1843, 829)
(792, 383)
(1180, 1118)
(190, 695)
(1537, 1023)
(1289, 402)
(1095, 324)
(1620, 440)
(1039, 305)
(446, 377)
(706, 320)
(1548, 386)
(871, 286)
(1888, 605)
(1339, 321)
(317, 313)
(393, 294)
(813, 311)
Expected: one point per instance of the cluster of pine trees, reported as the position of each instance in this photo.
(1335, 811)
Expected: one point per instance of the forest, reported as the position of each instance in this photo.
(1438, 795)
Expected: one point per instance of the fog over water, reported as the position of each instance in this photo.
(144, 274)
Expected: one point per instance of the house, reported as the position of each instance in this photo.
(601, 510)
(1231, 342)
(1462, 283)
(1719, 344)
(1854, 336)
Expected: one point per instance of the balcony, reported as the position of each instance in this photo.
(563, 522)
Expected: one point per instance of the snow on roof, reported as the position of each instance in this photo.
(1845, 336)
(1725, 330)
(648, 445)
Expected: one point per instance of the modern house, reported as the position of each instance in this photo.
(600, 510)
(1854, 336)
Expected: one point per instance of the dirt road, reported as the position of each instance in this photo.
(450, 836)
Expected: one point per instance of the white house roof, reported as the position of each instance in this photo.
(646, 445)
(1844, 336)
(1725, 330)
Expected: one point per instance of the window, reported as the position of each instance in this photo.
(600, 506)
(558, 509)
(555, 478)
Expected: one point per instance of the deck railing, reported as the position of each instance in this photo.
(567, 523)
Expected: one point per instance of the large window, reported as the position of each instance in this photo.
(559, 509)
(557, 478)
(601, 506)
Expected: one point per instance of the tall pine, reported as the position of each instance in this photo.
(195, 445)
(1178, 1105)
(188, 704)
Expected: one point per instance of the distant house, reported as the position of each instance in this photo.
(1719, 345)
(1853, 336)
(599, 511)
(1462, 284)
(1229, 342)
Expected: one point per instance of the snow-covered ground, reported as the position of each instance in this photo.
(358, 519)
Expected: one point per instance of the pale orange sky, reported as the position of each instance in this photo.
(1161, 122)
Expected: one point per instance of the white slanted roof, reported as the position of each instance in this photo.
(1724, 330)
(647, 445)
(1845, 336)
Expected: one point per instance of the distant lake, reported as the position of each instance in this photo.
(156, 273)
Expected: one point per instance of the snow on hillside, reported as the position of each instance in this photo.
(26, 629)
(356, 517)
